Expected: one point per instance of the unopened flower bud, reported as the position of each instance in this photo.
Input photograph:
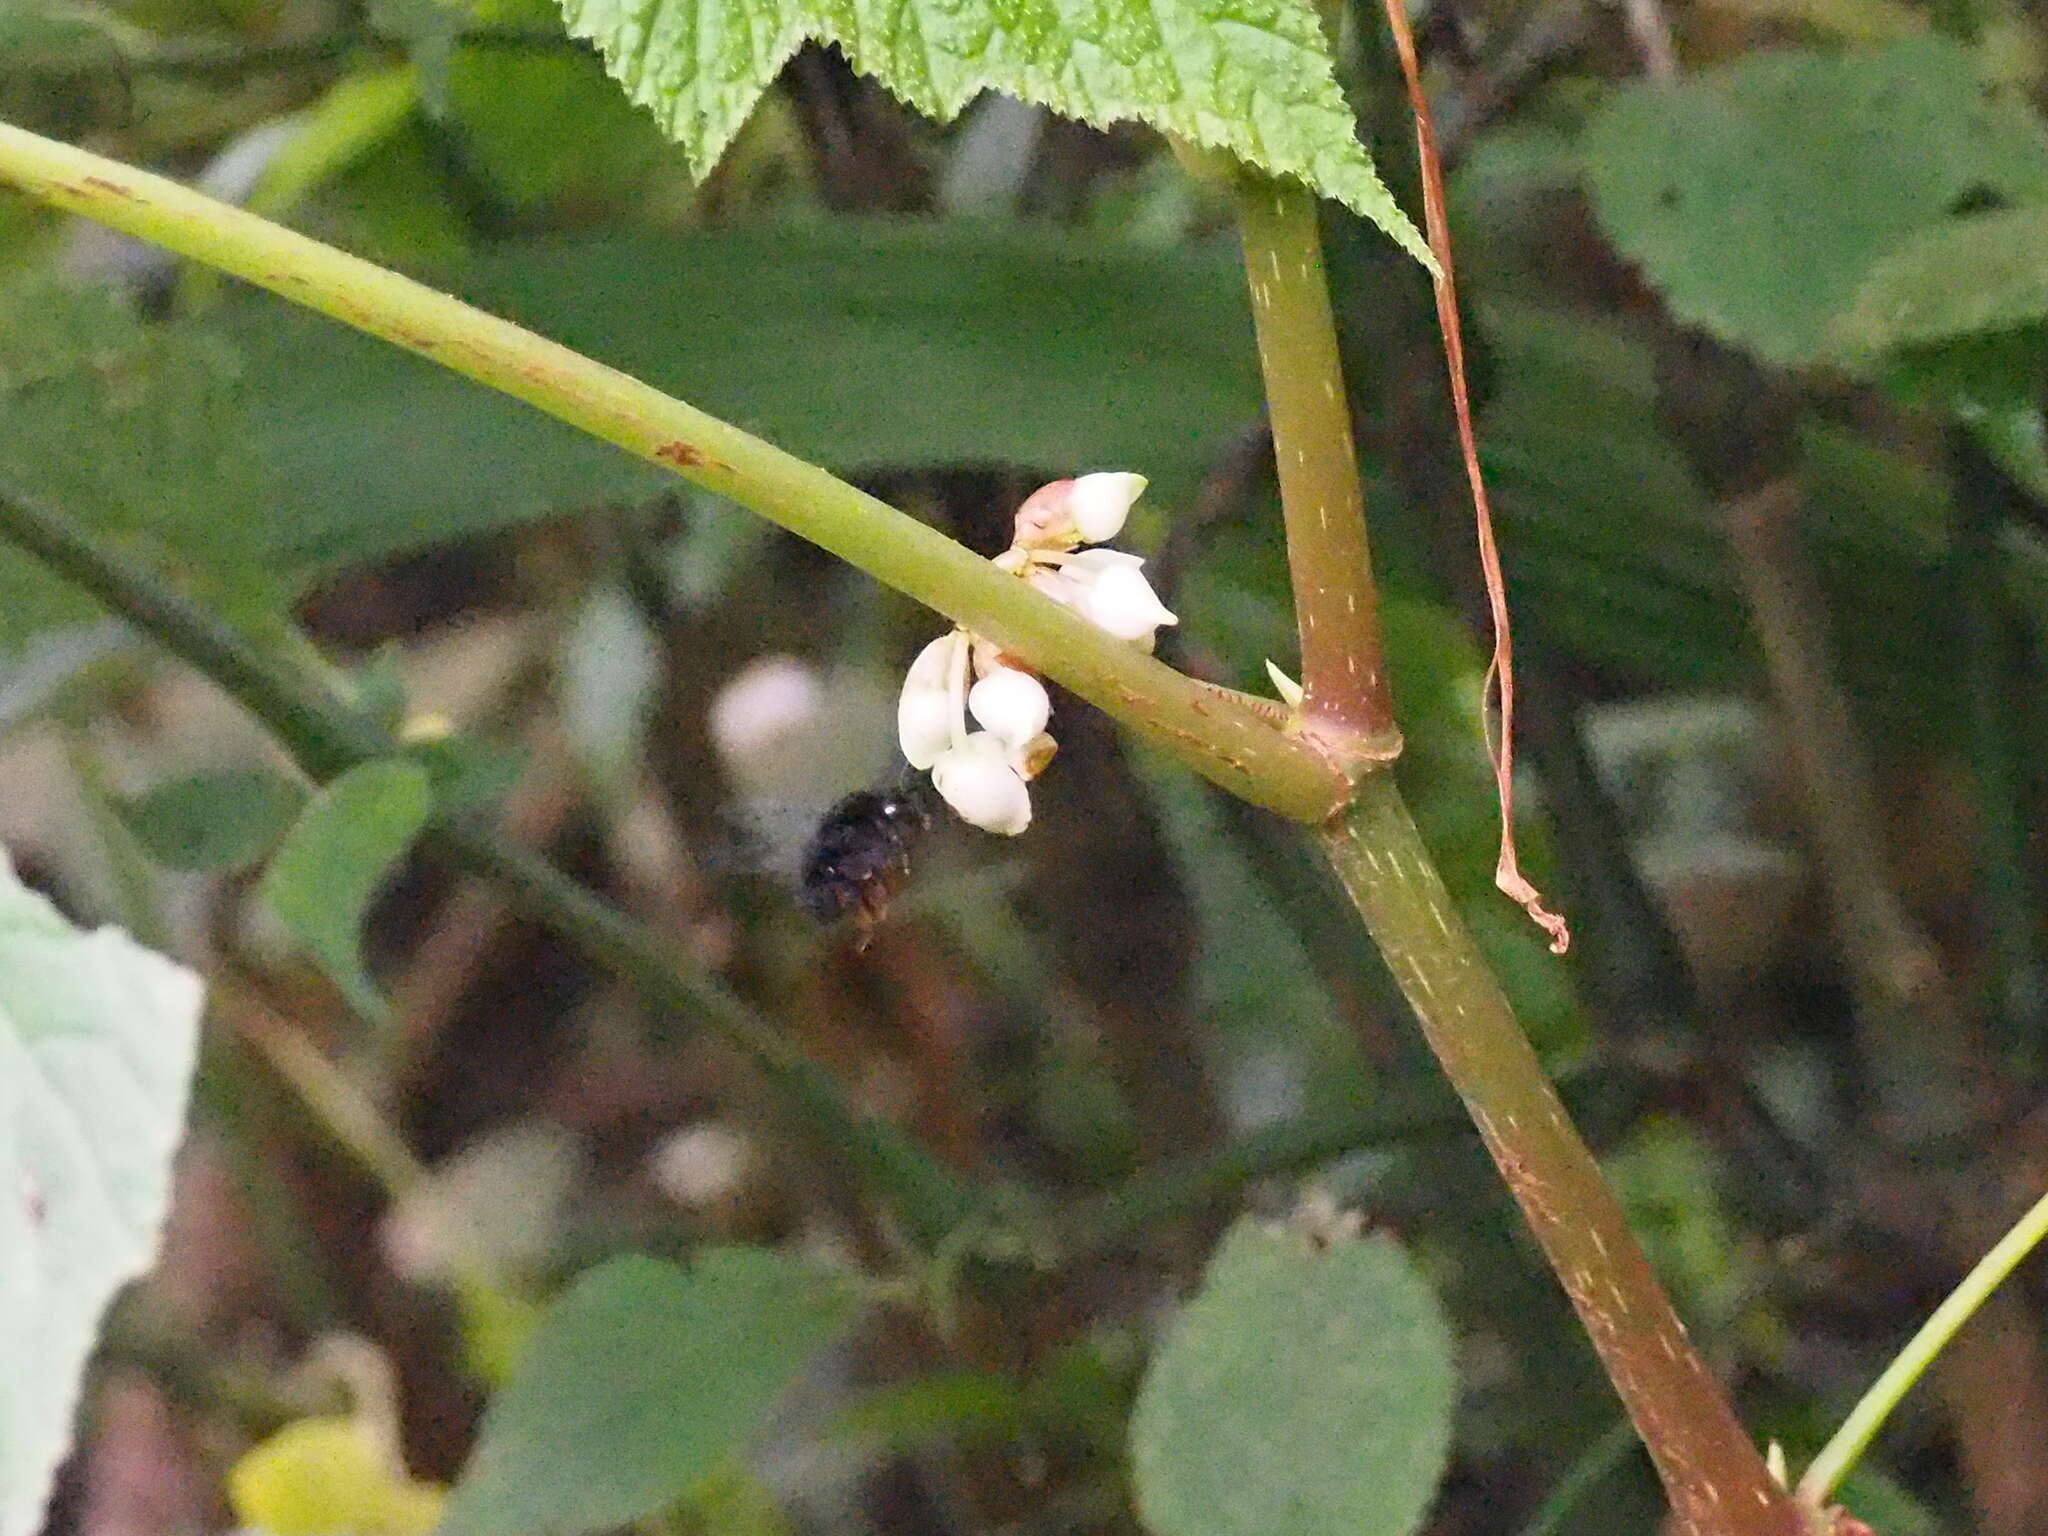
(1099, 504)
(1110, 590)
(1086, 510)
(977, 780)
(1012, 705)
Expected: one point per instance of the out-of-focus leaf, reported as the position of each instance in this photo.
(1306, 1390)
(1988, 272)
(97, 1042)
(957, 1405)
(640, 1381)
(1250, 77)
(859, 345)
(732, 1501)
(1609, 538)
(1759, 196)
(356, 113)
(217, 820)
(334, 858)
(1279, 1038)
(330, 1477)
(1879, 1501)
(1669, 1184)
(1863, 21)
(49, 662)
(133, 431)
(546, 126)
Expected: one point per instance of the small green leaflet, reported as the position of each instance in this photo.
(1251, 77)
(334, 859)
(643, 1380)
(1305, 1390)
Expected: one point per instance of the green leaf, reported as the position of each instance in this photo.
(1255, 988)
(1758, 197)
(1988, 272)
(218, 820)
(97, 1042)
(336, 856)
(1306, 1390)
(132, 430)
(641, 1380)
(860, 345)
(1252, 77)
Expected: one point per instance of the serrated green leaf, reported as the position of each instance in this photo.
(640, 1382)
(860, 345)
(1988, 272)
(1253, 77)
(1306, 1390)
(216, 820)
(336, 856)
(97, 1042)
(1758, 197)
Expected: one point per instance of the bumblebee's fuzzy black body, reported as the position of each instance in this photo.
(861, 853)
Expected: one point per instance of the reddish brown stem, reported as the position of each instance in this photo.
(1717, 1483)
(1500, 673)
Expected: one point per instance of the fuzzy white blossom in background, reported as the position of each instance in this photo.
(984, 773)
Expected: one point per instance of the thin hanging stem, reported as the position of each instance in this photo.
(1500, 672)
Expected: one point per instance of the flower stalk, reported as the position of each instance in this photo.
(1217, 736)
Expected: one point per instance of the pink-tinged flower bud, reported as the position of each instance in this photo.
(1045, 520)
(1012, 705)
(977, 780)
(1088, 510)
(928, 708)
(1099, 504)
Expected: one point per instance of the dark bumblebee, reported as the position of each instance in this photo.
(861, 851)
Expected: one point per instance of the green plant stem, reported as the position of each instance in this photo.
(1160, 1193)
(1343, 669)
(326, 737)
(1216, 735)
(1716, 1480)
(1848, 1443)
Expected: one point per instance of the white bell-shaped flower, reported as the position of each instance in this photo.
(1011, 705)
(928, 709)
(978, 779)
(1099, 503)
(1108, 588)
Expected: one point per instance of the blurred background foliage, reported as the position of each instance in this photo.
(1760, 367)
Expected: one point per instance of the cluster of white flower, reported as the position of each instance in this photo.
(984, 774)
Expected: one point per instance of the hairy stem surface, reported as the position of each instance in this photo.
(1343, 671)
